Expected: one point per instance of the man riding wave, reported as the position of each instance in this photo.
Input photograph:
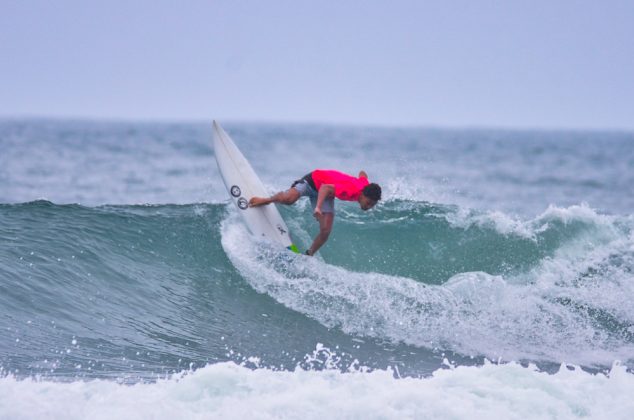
(322, 186)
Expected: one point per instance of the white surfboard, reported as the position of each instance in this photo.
(242, 183)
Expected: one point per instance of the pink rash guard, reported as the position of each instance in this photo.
(347, 187)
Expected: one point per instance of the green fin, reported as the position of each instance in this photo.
(294, 248)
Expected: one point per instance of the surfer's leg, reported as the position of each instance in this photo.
(325, 227)
(288, 197)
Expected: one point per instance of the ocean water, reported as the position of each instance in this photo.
(496, 278)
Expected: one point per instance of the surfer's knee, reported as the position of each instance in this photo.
(325, 225)
(290, 196)
(324, 231)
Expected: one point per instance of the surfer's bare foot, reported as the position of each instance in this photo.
(257, 201)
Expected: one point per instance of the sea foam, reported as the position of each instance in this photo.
(553, 312)
(227, 390)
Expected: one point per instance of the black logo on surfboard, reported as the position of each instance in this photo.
(235, 191)
(243, 203)
(282, 231)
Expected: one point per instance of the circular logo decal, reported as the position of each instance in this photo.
(243, 203)
(235, 191)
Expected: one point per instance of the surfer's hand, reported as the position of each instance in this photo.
(317, 213)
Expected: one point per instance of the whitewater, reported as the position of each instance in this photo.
(495, 278)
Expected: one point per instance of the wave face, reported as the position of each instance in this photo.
(151, 289)
(553, 288)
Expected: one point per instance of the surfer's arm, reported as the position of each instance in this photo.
(362, 174)
(325, 191)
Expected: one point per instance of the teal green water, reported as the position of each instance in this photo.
(488, 244)
(141, 290)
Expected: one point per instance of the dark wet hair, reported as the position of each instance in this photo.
(372, 191)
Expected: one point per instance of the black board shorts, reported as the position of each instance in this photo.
(306, 188)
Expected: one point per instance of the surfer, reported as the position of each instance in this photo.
(322, 186)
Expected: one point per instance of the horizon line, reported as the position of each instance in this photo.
(316, 122)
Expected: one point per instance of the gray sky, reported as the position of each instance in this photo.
(544, 64)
